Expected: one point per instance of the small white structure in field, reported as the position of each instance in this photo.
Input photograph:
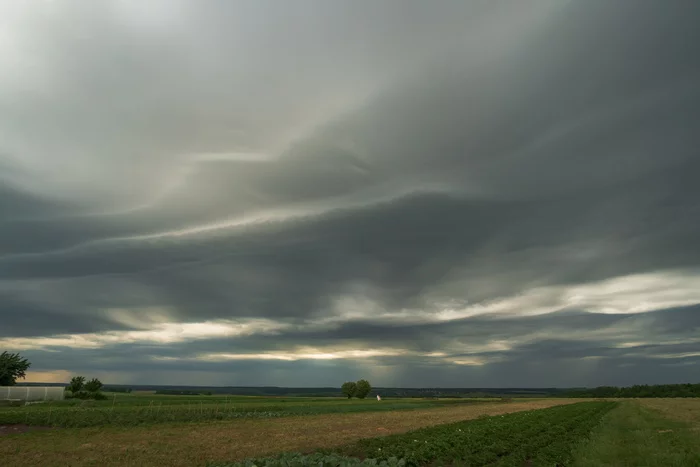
(378, 398)
(32, 393)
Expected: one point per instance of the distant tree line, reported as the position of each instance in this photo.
(177, 392)
(111, 389)
(386, 392)
(645, 390)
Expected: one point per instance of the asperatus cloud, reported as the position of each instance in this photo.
(482, 194)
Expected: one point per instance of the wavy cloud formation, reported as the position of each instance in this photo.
(474, 193)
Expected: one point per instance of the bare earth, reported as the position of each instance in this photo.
(195, 444)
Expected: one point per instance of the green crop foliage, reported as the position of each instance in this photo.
(316, 460)
(536, 437)
(127, 416)
(542, 437)
(130, 411)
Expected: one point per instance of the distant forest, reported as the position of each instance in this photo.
(659, 390)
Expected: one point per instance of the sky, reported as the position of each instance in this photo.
(463, 193)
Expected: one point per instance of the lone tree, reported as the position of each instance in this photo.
(76, 384)
(349, 389)
(363, 388)
(12, 366)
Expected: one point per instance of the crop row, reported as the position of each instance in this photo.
(87, 416)
(537, 437)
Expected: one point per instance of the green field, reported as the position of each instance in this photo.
(148, 429)
(537, 437)
(139, 409)
(635, 435)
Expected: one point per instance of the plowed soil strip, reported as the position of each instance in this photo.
(195, 444)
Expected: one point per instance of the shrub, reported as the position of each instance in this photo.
(85, 395)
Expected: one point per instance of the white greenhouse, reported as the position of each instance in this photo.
(32, 393)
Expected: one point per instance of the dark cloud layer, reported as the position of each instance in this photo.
(475, 194)
(539, 345)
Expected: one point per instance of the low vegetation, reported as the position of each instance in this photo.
(316, 460)
(634, 435)
(541, 437)
(195, 444)
(683, 410)
(186, 427)
(127, 410)
(117, 389)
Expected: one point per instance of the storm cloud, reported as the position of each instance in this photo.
(470, 193)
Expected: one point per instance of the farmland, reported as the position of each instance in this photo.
(336, 431)
(540, 437)
(635, 434)
(130, 410)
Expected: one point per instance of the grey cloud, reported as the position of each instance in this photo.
(17, 205)
(23, 315)
(400, 251)
(130, 90)
(402, 154)
(563, 335)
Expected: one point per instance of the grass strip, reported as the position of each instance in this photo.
(636, 436)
